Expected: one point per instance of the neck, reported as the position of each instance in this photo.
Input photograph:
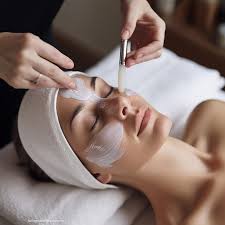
(172, 179)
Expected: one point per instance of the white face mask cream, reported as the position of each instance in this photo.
(129, 92)
(105, 147)
(81, 93)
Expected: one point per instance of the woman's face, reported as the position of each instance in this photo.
(143, 130)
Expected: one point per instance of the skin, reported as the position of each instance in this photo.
(24, 56)
(183, 179)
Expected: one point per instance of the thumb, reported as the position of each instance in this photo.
(129, 24)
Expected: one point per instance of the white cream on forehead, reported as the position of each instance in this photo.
(105, 147)
(81, 92)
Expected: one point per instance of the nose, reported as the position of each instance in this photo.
(118, 107)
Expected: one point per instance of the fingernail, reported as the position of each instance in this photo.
(70, 63)
(71, 85)
(125, 34)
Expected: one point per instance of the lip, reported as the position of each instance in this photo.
(143, 120)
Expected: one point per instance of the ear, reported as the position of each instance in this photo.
(103, 178)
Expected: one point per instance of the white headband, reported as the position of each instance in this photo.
(44, 141)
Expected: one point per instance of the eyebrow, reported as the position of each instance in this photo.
(77, 110)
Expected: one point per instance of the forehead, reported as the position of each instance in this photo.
(89, 81)
(88, 88)
(85, 78)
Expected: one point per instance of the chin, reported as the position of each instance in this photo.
(161, 131)
(165, 126)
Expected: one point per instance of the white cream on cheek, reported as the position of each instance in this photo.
(105, 147)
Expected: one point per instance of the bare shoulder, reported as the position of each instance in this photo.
(210, 106)
(206, 126)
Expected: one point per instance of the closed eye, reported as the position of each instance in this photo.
(97, 117)
(94, 124)
(110, 92)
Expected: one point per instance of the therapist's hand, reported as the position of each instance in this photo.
(145, 29)
(24, 56)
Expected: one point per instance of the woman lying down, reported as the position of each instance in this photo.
(95, 137)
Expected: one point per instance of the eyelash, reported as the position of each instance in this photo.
(97, 117)
(110, 92)
(96, 120)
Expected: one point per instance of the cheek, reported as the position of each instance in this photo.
(78, 137)
(105, 148)
(134, 156)
(138, 102)
(162, 128)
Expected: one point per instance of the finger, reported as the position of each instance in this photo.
(146, 58)
(46, 82)
(17, 79)
(52, 71)
(27, 81)
(22, 84)
(50, 53)
(148, 50)
(160, 32)
(26, 84)
(134, 47)
(29, 85)
(131, 53)
(129, 22)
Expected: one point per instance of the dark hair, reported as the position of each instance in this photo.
(24, 159)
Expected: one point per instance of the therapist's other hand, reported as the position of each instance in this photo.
(144, 28)
(24, 56)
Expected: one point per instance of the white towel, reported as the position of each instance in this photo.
(171, 84)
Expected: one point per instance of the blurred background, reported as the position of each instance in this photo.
(87, 30)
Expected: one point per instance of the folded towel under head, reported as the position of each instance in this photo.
(44, 141)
